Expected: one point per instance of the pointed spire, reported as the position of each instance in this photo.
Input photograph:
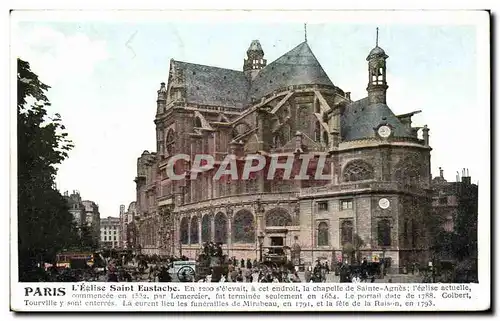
(376, 41)
(162, 92)
(305, 32)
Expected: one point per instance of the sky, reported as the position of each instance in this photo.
(104, 74)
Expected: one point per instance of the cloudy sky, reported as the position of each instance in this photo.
(104, 73)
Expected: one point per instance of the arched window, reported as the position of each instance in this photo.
(197, 122)
(243, 227)
(220, 228)
(184, 231)
(384, 232)
(358, 170)
(206, 228)
(325, 137)
(322, 234)
(317, 132)
(276, 141)
(278, 217)
(170, 141)
(194, 231)
(287, 134)
(346, 229)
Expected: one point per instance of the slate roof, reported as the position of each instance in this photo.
(360, 118)
(299, 66)
(207, 85)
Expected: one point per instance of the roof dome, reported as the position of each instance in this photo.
(377, 52)
(255, 46)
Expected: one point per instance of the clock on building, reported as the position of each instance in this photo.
(384, 203)
(384, 131)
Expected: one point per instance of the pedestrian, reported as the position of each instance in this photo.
(307, 274)
(242, 263)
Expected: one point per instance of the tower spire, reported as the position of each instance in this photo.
(376, 41)
(305, 32)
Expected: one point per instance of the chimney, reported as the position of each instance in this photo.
(425, 131)
(348, 95)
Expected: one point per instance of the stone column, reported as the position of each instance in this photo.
(425, 131)
(199, 229)
(229, 215)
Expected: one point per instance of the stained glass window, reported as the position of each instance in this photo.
(243, 227)
(322, 234)
(220, 228)
(194, 231)
(170, 142)
(384, 232)
(206, 228)
(346, 228)
(358, 170)
(184, 231)
(278, 217)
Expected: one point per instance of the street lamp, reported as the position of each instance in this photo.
(261, 243)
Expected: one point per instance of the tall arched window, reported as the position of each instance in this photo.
(287, 134)
(317, 132)
(346, 229)
(220, 228)
(197, 122)
(184, 230)
(278, 217)
(322, 234)
(325, 137)
(206, 228)
(170, 142)
(194, 230)
(243, 227)
(384, 232)
(358, 170)
(276, 141)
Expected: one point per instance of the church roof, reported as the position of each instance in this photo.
(377, 52)
(360, 118)
(255, 46)
(207, 85)
(299, 66)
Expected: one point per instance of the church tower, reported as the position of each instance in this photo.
(255, 60)
(377, 73)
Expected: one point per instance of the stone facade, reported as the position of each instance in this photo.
(128, 231)
(378, 169)
(110, 233)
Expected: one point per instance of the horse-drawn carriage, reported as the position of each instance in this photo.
(210, 262)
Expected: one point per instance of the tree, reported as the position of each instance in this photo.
(87, 240)
(45, 225)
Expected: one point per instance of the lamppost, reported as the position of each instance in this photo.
(261, 243)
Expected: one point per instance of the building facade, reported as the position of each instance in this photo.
(128, 231)
(455, 208)
(93, 219)
(76, 208)
(110, 233)
(377, 192)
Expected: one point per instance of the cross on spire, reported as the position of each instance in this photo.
(376, 43)
(305, 32)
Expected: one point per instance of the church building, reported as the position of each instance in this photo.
(374, 204)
